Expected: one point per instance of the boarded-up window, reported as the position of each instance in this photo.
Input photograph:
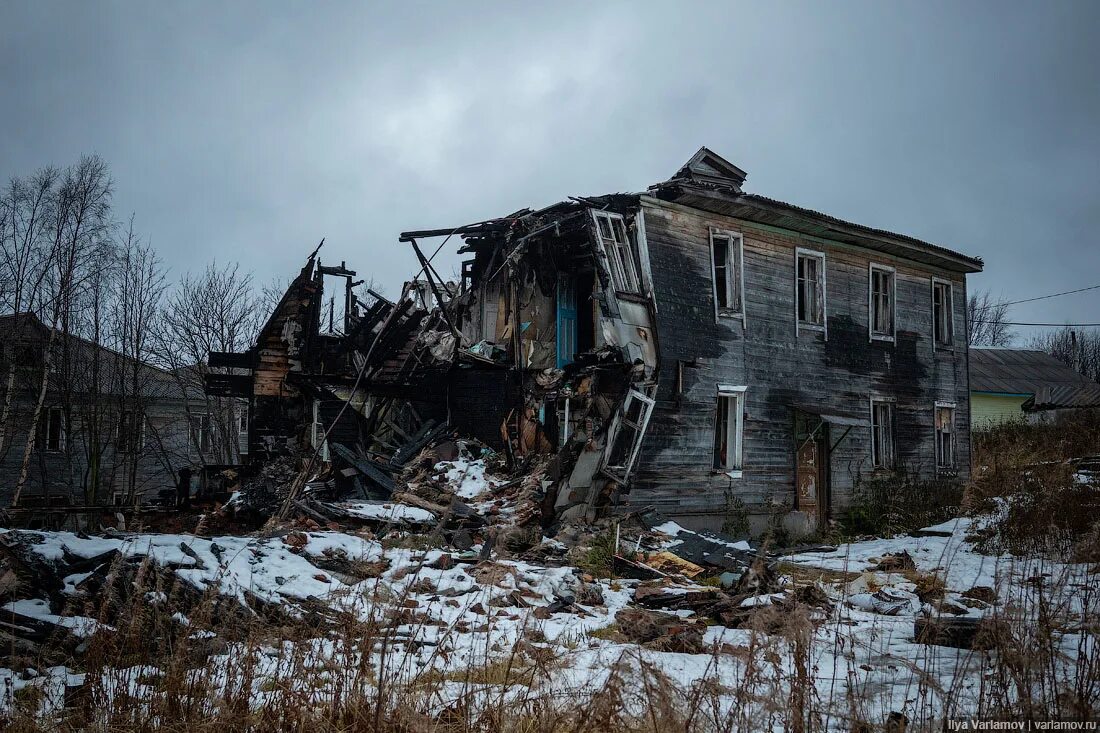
(729, 429)
(810, 288)
(55, 429)
(945, 436)
(882, 302)
(882, 434)
(620, 254)
(942, 317)
(726, 254)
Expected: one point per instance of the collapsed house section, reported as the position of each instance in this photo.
(544, 352)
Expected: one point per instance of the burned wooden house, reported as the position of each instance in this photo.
(693, 348)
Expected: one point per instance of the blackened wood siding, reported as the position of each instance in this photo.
(782, 367)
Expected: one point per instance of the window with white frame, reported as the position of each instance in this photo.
(945, 435)
(882, 434)
(882, 287)
(627, 433)
(55, 429)
(199, 438)
(726, 250)
(317, 433)
(242, 428)
(943, 326)
(810, 288)
(620, 253)
(729, 428)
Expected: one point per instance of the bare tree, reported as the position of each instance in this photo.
(79, 230)
(987, 321)
(138, 296)
(217, 310)
(26, 210)
(1079, 350)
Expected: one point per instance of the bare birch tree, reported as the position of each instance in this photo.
(79, 228)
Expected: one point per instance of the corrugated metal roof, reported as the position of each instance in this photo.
(1027, 372)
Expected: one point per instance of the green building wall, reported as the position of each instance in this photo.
(989, 408)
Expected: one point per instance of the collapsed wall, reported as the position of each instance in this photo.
(545, 352)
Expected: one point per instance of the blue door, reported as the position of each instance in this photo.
(567, 320)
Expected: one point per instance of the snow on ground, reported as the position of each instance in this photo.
(465, 616)
(466, 477)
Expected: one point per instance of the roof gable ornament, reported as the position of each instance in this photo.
(708, 167)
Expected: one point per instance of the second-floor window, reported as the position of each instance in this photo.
(726, 256)
(882, 302)
(810, 288)
(620, 253)
(942, 317)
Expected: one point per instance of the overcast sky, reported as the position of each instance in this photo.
(249, 131)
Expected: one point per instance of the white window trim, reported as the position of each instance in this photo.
(194, 448)
(954, 467)
(950, 312)
(624, 282)
(872, 401)
(613, 434)
(798, 324)
(892, 338)
(738, 263)
(738, 392)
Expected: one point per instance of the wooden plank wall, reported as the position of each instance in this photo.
(781, 367)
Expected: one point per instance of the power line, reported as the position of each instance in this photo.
(1052, 295)
(1050, 325)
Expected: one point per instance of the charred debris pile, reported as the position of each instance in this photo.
(541, 362)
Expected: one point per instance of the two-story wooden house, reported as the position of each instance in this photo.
(779, 354)
(692, 348)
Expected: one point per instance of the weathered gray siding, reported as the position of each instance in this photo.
(781, 367)
(64, 473)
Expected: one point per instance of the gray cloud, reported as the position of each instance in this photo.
(247, 131)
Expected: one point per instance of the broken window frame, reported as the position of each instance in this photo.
(729, 434)
(55, 419)
(622, 473)
(943, 314)
(946, 440)
(317, 431)
(730, 283)
(883, 433)
(818, 320)
(882, 304)
(619, 250)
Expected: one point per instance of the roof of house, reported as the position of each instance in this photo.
(711, 183)
(1048, 382)
(114, 373)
